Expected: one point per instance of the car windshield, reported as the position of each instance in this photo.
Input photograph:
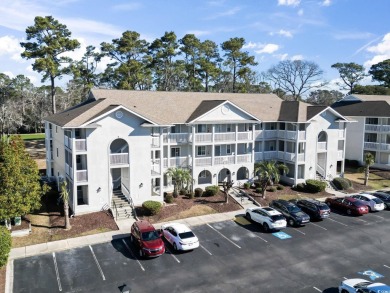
(277, 217)
(151, 235)
(324, 207)
(186, 235)
(294, 209)
(362, 285)
(377, 200)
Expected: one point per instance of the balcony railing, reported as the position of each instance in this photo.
(244, 135)
(372, 145)
(82, 175)
(301, 157)
(176, 138)
(67, 142)
(340, 154)
(203, 137)
(176, 162)
(155, 142)
(270, 155)
(341, 133)
(321, 146)
(258, 156)
(203, 161)
(69, 170)
(244, 158)
(119, 159)
(385, 147)
(224, 160)
(270, 133)
(225, 136)
(81, 145)
(286, 134)
(373, 127)
(155, 169)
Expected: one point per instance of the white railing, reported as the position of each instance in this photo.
(289, 156)
(175, 138)
(258, 134)
(244, 135)
(291, 134)
(203, 161)
(385, 128)
(258, 156)
(244, 158)
(224, 160)
(270, 155)
(155, 142)
(321, 146)
(321, 170)
(125, 191)
(372, 145)
(225, 136)
(385, 147)
(301, 157)
(67, 142)
(178, 162)
(67, 169)
(341, 133)
(82, 175)
(203, 137)
(270, 134)
(155, 169)
(81, 145)
(340, 154)
(373, 127)
(119, 159)
(302, 135)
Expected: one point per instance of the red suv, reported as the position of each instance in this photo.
(147, 239)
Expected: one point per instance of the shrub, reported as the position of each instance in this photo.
(183, 191)
(315, 186)
(198, 192)
(175, 194)
(211, 190)
(280, 187)
(272, 189)
(342, 183)
(5, 245)
(152, 207)
(190, 195)
(247, 185)
(259, 190)
(257, 184)
(300, 187)
(169, 198)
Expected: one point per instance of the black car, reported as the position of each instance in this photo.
(384, 195)
(294, 215)
(317, 210)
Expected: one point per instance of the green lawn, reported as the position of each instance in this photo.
(33, 136)
(374, 181)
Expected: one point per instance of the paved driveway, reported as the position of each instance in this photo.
(235, 256)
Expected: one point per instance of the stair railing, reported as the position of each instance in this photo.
(115, 210)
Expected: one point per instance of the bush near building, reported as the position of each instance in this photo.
(342, 183)
(152, 207)
(211, 190)
(5, 245)
(315, 186)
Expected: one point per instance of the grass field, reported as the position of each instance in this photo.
(374, 181)
(32, 136)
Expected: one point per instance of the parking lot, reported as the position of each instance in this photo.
(234, 256)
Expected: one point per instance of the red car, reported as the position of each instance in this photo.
(147, 239)
(347, 204)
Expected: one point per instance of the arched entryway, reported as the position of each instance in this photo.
(242, 173)
(205, 177)
(322, 146)
(224, 175)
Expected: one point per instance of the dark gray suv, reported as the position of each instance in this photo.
(294, 215)
(317, 210)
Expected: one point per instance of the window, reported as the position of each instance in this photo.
(57, 152)
(228, 149)
(202, 128)
(175, 129)
(228, 128)
(201, 150)
(217, 150)
(175, 152)
(203, 174)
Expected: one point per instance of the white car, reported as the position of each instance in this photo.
(362, 286)
(268, 217)
(180, 236)
(373, 203)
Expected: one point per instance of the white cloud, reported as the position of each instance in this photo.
(382, 51)
(9, 74)
(326, 3)
(9, 45)
(199, 33)
(229, 12)
(289, 2)
(268, 49)
(282, 32)
(300, 12)
(352, 35)
(127, 6)
(296, 57)
(251, 45)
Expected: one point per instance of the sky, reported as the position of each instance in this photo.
(322, 31)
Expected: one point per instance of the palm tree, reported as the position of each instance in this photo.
(369, 160)
(269, 173)
(179, 177)
(65, 200)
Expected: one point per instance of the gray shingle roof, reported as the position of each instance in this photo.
(165, 108)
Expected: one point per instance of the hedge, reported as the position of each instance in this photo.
(280, 187)
(211, 190)
(315, 186)
(247, 185)
(5, 245)
(152, 207)
(342, 183)
(169, 198)
(198, 192)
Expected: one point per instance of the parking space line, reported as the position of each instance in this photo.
(132, 254)
(377, 216)
(318, 226)
(260, 237)
(166, 248)
(337, 222)
(299, 231)
(57, 273)
(205, 249)
(224, 236)
(386, 266)
(345, 278)
(317, 289)
(361, 220)
(97, 263)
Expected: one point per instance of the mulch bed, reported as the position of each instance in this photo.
(183, 203)
(25, 224)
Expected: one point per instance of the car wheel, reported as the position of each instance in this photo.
(174, 246)
(349, 212)
(369, 209)
(248, 216)
(291, 222)
(266, 227)
(141, 253)
(344, 291)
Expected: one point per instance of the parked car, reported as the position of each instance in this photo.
(294, 215)
(147, 239)
(349, 205)
(384, 196)
(373, 203)
(362, 286)
(317, 210)
(269, 218)
(180, 236)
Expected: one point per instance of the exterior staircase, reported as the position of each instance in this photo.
(121, 208)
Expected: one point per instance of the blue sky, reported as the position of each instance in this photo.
(323, 31)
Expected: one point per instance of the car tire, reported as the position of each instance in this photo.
(141, 253)
(291, 222)
(369, 209)
(349, 212)
(265, 227)
(248, 216)
(175, 246)
(344, 291)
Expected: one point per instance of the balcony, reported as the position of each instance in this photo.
(205, 161)
(246, 158)
(226, 136)
(176, 162)
(321, 146)
(203, 137)
(270, 155)
(176, 138)
(341, 133)
(340, 155)
(284, 134)
(68, 142)
(385, 147)
(224, 160)
(119, 159)
(244, 135)
(81, 145)
(372, 145)
(155, 142)
(373, 127)
(69, 170)
(82, 176)
(258, 156)
(155, 168)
